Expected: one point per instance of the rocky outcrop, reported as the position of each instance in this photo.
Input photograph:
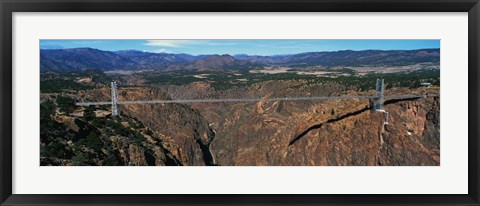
(332, 132)
(185, 132)
(327, 132)
(101, 141)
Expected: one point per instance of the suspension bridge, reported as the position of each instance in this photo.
(378, 99)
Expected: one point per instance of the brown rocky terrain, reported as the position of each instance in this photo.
(67, 140)
(184, 131)
(326, 132)
(329, 132)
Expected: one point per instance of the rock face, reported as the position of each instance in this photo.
(185, 132)
(419, 122)
(144, 135)
(274, 133)
(101, 141)
(330, 132)
(184, 127)
(334, 132)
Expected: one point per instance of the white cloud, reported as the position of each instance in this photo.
(173, 43)
(223, 43)
(183, 43)
(162, 51)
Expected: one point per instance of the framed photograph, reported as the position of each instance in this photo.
(248, 103)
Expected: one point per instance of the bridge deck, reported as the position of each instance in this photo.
(185, 101)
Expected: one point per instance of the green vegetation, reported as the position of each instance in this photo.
(112, 160)
(409, 80)
(61, 85)
(50, 134)
(57, 149)
(57, 82)
(119, 129)
(220, 80)
(172, 78)
(92, 141)
(84, 140)
(66, 104)
(223, 80)
(47, 109)
(89, 113)
(82, 159)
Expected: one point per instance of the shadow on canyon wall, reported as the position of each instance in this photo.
(318, 126)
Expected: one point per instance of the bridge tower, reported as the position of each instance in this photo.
(380, 93)
(115, 111)
(378, 104)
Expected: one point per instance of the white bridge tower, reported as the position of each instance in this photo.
(115, 111)
(378, 103)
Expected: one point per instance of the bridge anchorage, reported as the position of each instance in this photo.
(377, 100)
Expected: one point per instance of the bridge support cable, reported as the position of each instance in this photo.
(187, 101)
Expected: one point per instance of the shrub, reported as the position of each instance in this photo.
(112, 160)
(46, 109)
(81, 159)
(92, 141)
(66, 104)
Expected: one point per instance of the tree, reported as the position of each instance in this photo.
(89, 113)
(81, 159)
(112, 160)
(66, 104)
(46, 110)
(93, 141)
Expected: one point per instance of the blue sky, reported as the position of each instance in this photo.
(251, 47)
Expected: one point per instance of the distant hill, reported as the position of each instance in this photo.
(214, 62)
(350, 58)
(47, 64)
(150, 60)
(364, 58)
(79, 59)
(257, 59)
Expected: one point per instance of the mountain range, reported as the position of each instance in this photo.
(79, 59)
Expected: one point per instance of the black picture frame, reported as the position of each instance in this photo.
(7, 7)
